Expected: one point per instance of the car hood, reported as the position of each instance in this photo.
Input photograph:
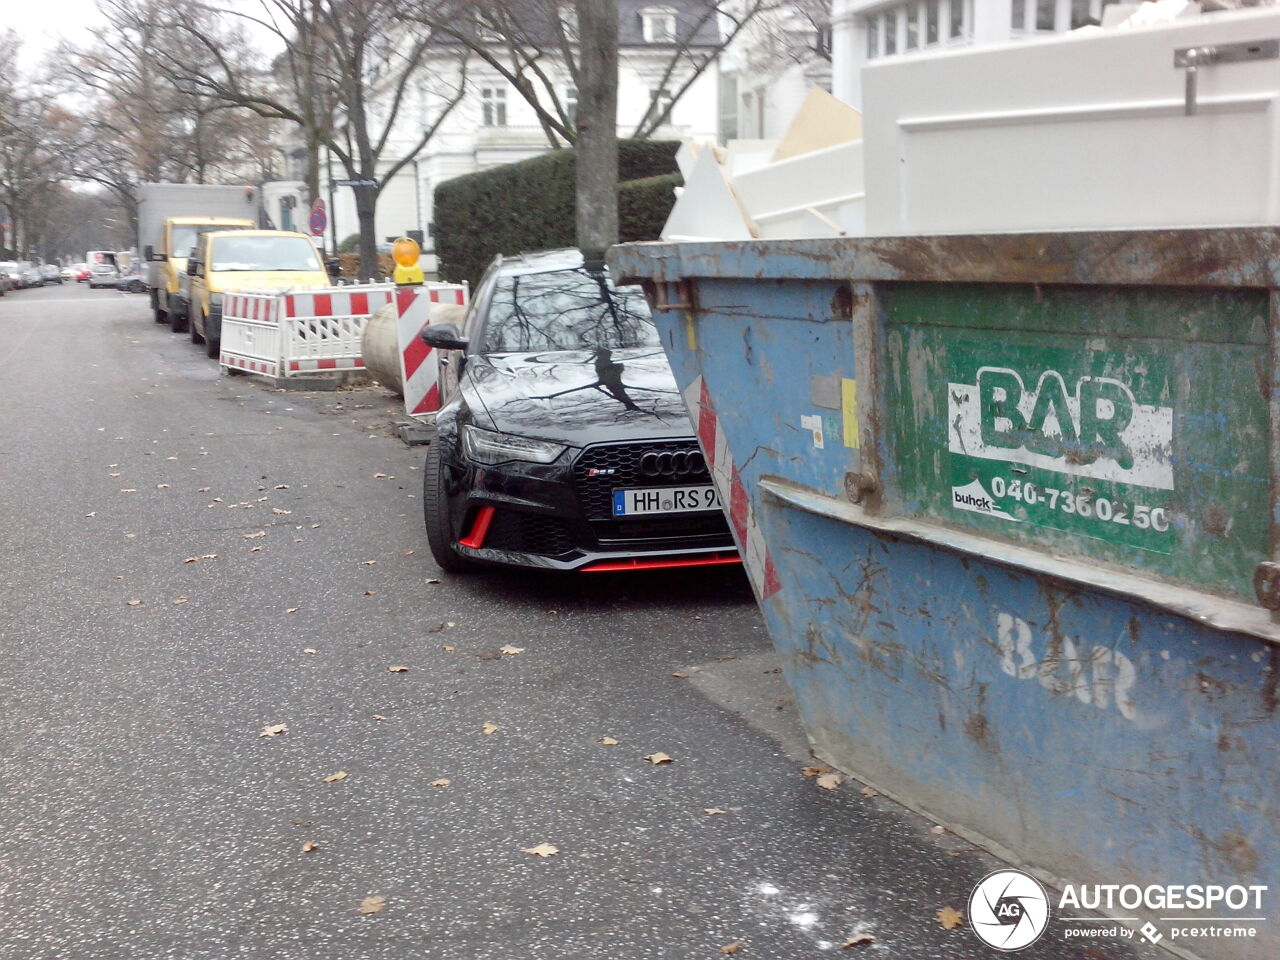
(581, 396)
(233, 281)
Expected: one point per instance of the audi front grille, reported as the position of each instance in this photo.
(601, 469)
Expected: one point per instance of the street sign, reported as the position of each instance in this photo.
(319, 220)
(365, 182)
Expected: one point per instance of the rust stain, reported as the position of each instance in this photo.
(1270, 697)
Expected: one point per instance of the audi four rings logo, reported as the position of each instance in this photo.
(679, 463)
(1008, 910)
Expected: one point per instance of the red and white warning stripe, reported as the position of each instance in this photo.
(260, 307)
(338, 303)
(733, 492)
(418, 366)
(330, 363)
(265, 367)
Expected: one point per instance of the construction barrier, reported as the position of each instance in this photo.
(419, 370)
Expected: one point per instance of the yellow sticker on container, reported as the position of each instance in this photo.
(690, 331)
(849, 407)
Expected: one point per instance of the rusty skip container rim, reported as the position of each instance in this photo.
(1217, 258)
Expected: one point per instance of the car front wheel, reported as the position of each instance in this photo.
(435, 513)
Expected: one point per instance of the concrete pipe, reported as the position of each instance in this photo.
(381, 347)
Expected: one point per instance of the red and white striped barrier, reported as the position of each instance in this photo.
(288, 333)
(419, 369)
(733, 493)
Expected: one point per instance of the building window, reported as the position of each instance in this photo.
(493, 101)
(659, 100)
(728, 107)
(571, 104)
(659, 24)
(921, 24)
(1054, 16)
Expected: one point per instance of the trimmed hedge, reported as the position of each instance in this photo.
(530, 205)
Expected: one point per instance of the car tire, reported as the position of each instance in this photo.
(435, 514)
(177, 322)
(160, 315)
(212, 348)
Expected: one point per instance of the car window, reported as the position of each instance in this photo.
(565, 310)
(186, 236)
(264, 253)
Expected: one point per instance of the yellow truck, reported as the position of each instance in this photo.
(246, 260)
(180, 235)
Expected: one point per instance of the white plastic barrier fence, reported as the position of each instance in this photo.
(288, 334)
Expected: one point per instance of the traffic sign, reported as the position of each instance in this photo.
(319, 219)
(366, 182)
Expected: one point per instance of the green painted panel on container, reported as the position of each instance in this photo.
(1124, 424)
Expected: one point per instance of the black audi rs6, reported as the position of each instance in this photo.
(563, 442)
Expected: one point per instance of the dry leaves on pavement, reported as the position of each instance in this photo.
(511, 651)
(372, 904)
(829, 781)
(816, 771)
(542, 850)
(255, 536)
(712, 811)
(950, 918)
(858, 940)
(869, 792)
(729, 949)
(397, 669)
(442, 782)
(608, 742)
(133, 603)
(335, 777)
(309, 650)
(308, 847)
(274, 730)
(489, 728)
(178, 600)
(659, 757)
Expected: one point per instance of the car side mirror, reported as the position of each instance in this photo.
(193, 267)
(443, 336)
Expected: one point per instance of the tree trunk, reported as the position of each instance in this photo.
(366, 208)
(597, 144)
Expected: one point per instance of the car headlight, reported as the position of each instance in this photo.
(486, 446)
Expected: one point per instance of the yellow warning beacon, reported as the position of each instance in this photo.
(405, 253)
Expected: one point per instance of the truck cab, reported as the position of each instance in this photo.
(246, 260)
(167, 266)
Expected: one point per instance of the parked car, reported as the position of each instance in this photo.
(103, 275)
(31, 276)
(131, 281)
(10, 275)
(67, 273)
(82, 272)
(563, 441)
(49, 273)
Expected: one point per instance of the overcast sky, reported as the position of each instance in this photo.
(41, 25)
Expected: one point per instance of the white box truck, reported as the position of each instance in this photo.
(171, 219)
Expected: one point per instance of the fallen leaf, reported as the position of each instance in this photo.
(713, 811)
(817, 771)
(309, 650)
(335, 777)
(293, 609)
(432, 580)
(938, 829)
(397, 669)
(372, 904)
(489, 728)
(829, 781)
(381, 476)
(129, 490)
(94, 514)
(440, 783)
(181, 600)
(255, 536)
(204, 490)
(680, 676)
(379, 717)
(371, 593)
(511, 651)
(308, 847)
(315, 526)
(950, 918)
(729, 949)
(279, 512)
(113, 474)
(274, 731)
(191, 560)
(657, 758)
(447, 649)
(608, 742)
(162, 486)
(858, 940)
(542, 850)
(869, 792)
(367, 563)
(255, 549)
(410, 553)
(134, 603)
(282, 486)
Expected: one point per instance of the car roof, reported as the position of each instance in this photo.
(542, 261)
(254, 233)
(213, 221)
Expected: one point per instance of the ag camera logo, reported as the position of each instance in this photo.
(1008, 910)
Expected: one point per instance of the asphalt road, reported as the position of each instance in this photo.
(143, 816)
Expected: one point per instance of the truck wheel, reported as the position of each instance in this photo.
(177, 322)
(211, 347)
(160, 315)
(435, 514)
(195, 335)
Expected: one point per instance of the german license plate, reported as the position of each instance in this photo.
(630, 503)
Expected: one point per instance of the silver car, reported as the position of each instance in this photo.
(103, 275)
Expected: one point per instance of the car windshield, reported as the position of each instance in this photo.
(565, 310)
(8, 266)
(103, 268)
(187, 235)
(264, 253)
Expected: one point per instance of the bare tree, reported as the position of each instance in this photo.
(347, 71)
(597, 155)
(535, 47)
